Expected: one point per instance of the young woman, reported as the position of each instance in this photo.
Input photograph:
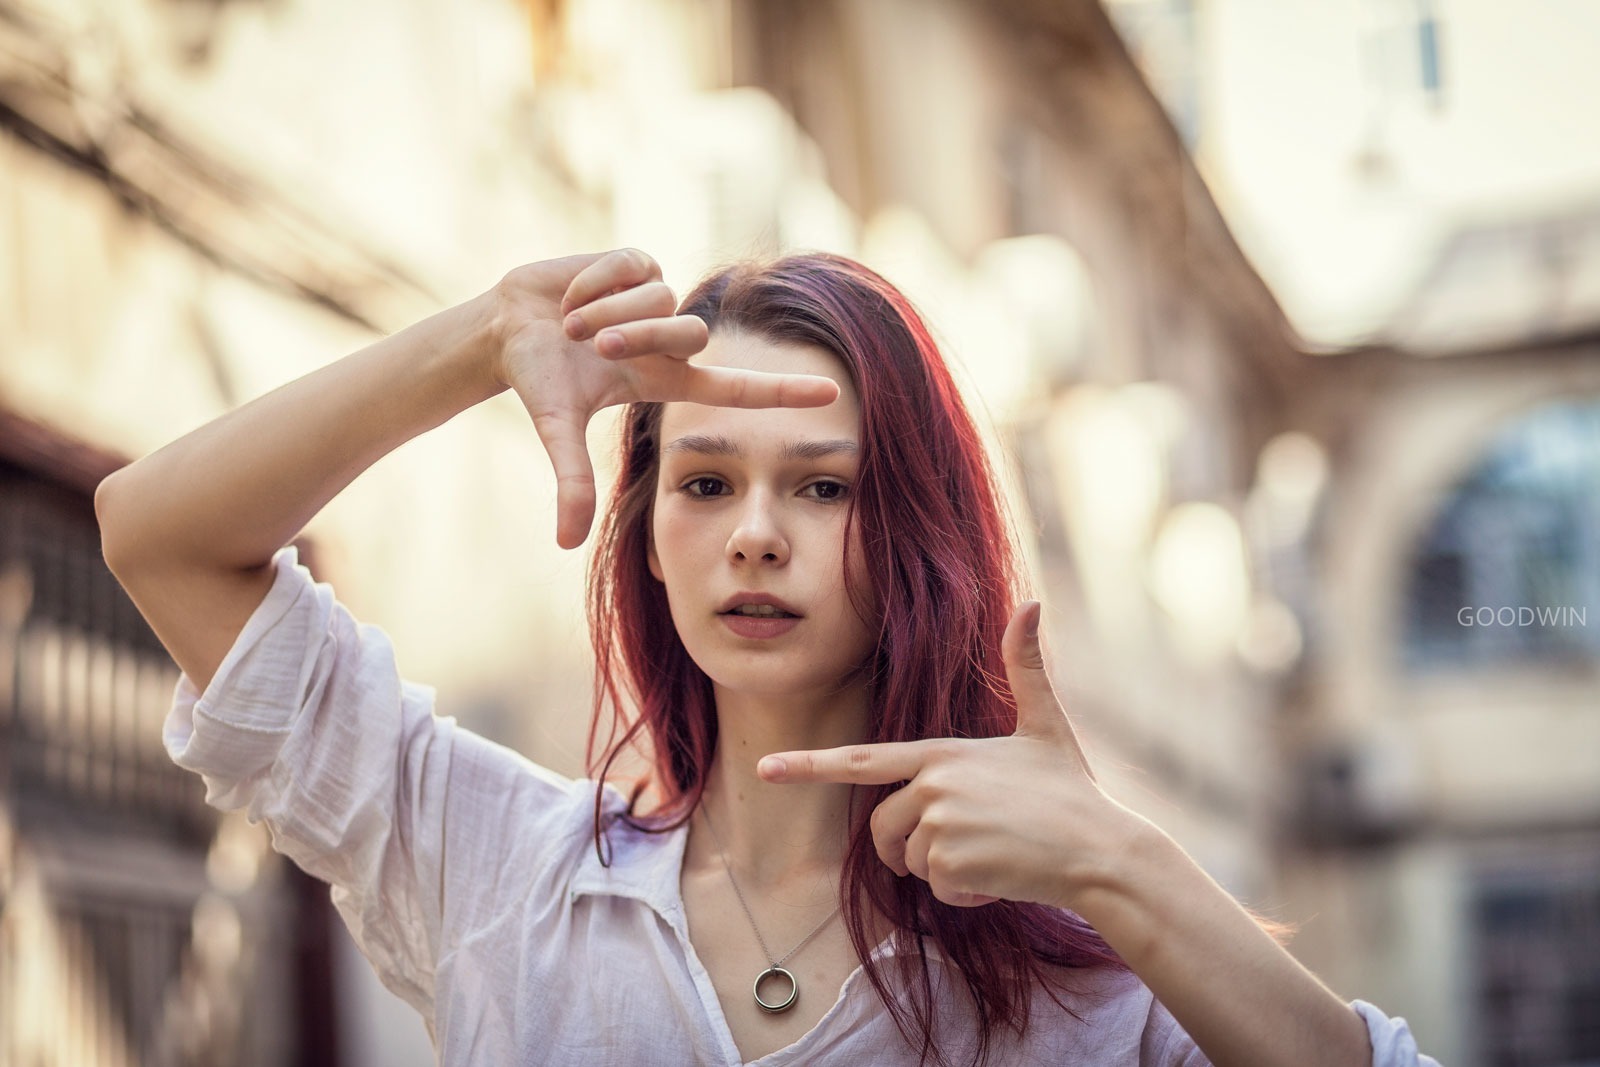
(872, 836)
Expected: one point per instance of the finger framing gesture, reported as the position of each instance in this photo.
(1017, 818)
(587, 332)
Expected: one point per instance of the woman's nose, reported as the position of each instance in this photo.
(757, 535)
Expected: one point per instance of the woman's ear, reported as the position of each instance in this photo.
(653, 559)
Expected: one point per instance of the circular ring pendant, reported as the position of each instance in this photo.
(776, 1006)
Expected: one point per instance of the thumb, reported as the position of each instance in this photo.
(1038, 710)
(562, 434)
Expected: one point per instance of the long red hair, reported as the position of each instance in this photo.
(944, 568)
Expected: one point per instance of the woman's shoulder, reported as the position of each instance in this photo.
(525, 792)
(525, 831)
(1102, 1015)
(549, 851)
(1106, 1013)
(1107, 992)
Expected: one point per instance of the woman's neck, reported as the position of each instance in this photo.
(774, 835)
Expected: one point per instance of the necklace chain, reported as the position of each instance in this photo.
(723, 856)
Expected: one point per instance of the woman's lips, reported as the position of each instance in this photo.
(748, 626)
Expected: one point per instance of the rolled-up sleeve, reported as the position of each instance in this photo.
(1166, 1045)
(308, 727)
(1392, 1043)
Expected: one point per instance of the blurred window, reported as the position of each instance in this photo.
(1510, 568)
(1537, 946)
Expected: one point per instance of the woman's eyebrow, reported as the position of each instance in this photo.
(720, 445)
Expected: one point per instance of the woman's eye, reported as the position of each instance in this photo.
(830, 491)
(703, 487)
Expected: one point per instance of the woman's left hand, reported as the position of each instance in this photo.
(1022, 818)
(1014, 818)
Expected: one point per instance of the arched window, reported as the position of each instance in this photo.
(1509, 569)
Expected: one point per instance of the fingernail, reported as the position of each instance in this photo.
(574, 325)
(771, 766)
(611, 344)
(1033, 621)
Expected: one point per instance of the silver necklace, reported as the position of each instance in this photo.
(776, 970)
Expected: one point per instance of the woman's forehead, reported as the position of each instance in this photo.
(750, 351)
(838, 420)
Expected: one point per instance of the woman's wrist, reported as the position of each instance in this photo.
(1112, 887)
(470, 344)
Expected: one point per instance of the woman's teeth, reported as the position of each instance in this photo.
(761, 611)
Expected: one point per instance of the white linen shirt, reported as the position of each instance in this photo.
(468, 876)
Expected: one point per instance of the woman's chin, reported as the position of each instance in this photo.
(767, 686)
(769, 683)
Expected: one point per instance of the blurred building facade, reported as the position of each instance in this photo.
(139, 926)
(1400, 175)
(201, 202)
(1243, 537)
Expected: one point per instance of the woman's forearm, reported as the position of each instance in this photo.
(230, 493)
(1242, 998)
(189, 530)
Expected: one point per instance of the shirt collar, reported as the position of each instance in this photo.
(644, 866)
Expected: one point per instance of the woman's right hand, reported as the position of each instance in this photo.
(585, 332)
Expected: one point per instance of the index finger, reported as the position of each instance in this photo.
(730, 387)
(880, 764)
(621, 268)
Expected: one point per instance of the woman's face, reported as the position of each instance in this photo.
(750, 503)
